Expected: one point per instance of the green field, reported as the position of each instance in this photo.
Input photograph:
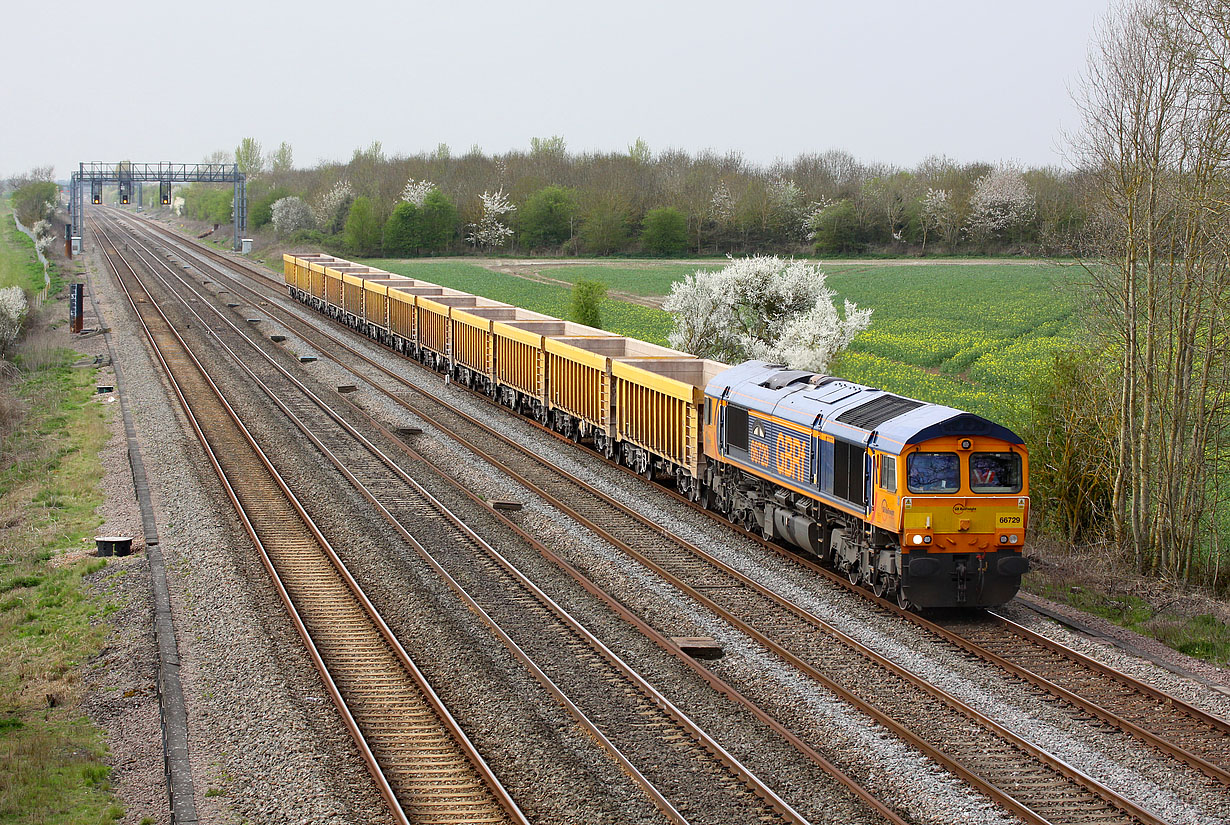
(635, 278)
(617, 316)
(967, 335)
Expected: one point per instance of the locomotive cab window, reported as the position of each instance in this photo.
(995, 473)
(933, 473)
(708, 411)
(888, 473)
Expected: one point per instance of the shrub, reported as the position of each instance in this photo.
(546, 218)
(665, 231)
(586, 304)
(290, 215)
(261, 211)
(605, 230)
(401, 236)
(13, 309)
(363, 228)
(836, 230)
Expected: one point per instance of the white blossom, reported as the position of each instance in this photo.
(786, 201)
(937, 203)
(44, 235)
(13, 309)
(811, 215)
(490, 232)
(765, 308)
(416, 191)
(722, 205)
(1001, 202)
(291, 214)
(330, 209)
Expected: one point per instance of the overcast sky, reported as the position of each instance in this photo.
(888, 80)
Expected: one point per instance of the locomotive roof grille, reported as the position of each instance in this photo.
(878, 410)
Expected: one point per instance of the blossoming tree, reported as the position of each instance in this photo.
(764, 308)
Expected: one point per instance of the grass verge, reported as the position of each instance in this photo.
(1100, 585)
(19, 264)
(51, 757)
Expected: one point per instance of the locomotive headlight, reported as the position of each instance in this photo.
(1014, 538)
(918, 539)
(926, 539)
(1003, 539)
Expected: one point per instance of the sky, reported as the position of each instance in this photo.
(888, 81)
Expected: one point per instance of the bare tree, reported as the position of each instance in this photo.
(1155, 144)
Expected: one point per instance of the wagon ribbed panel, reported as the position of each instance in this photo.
(665, 425)
(471, 339)
(376, 306)
(519, 365)
(431, 323)
(352, 295)
(401, 314)
(333, 288)
(579, 389)
(317, 280)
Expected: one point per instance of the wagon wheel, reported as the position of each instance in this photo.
(879, 583)
(854, 573)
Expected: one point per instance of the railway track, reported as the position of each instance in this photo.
(422, 762)
(1187, 733)
(609, 519)
(624, 714)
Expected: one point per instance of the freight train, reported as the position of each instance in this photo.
(920, 502)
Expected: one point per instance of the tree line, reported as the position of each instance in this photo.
(547, 200)
(1132, 437)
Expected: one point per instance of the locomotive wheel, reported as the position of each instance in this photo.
(854, 574)
(902, 601)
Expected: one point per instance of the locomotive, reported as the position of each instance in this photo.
(920, 502)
